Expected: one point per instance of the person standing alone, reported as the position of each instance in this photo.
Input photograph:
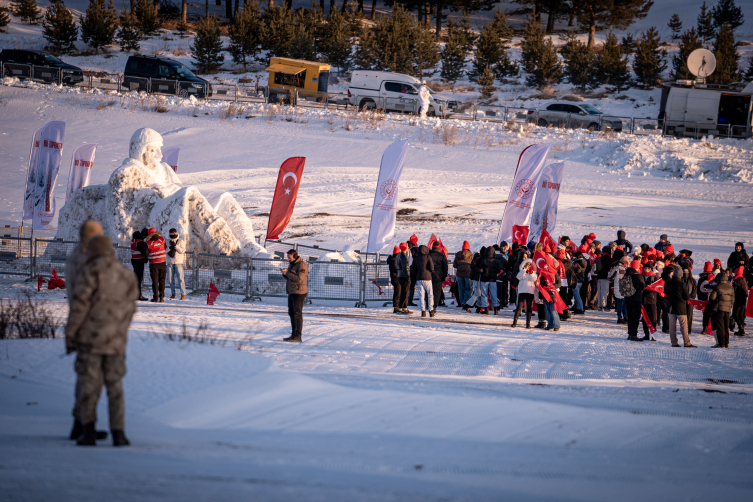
(157, 264)
(296, 286)
(103, 304)
(176, 259)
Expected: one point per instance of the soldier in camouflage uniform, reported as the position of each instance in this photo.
(101, 308)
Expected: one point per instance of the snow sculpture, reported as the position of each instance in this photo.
(145, 192)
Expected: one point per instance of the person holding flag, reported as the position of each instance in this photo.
(631, 287)
(649, 301)
(462, 265)
(527, 278)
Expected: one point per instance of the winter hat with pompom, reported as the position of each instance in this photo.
(635, 265)
(707, 267)
(403, 247)
(466, 245)
(414, 239)
(396, 250)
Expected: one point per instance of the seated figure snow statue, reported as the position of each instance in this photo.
(145, 192)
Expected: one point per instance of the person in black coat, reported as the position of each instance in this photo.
(622, 241)
(439, 274)
(392, 265)
(649, 299)
(677, 306)
(692, 287)
(740, 285)
(489, 268)
(423, 267)
(721, 302)
(738, 258)
(633, 302)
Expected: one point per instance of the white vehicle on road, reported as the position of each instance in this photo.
(395, 92)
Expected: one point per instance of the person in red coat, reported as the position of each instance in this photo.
(157, 264)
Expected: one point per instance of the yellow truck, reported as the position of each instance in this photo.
(288, 75)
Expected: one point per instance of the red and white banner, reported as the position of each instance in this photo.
(48, 165)
(749, 307)
(698, 304)
(651, 328)
(286, 192)
(547, 240)
(170, 156)
(82, 162)
(31, 174)
(382, 226)
(520, 234)
(657, 287)
(544, 215)
(520, 200)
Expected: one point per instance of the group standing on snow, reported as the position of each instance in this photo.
(647, 286)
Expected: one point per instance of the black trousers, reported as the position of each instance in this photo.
(436, 286)
(404, 285)
(395, 293)
(706, 320)
(502, 292)
(295, 311)
(651, 311)
(412, 293)
(527, 300)
(690, 318)
(738, 317)
(157, 272)
(138, 269)
(634, 317)
(665, 317)
(721, 324)
(540, 310)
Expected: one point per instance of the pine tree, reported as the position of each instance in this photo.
(129, 33)
(580, 62)
(612, 66)
(650, 59)
(99, 23)
(532, 46)
(246, 33)
(425, 51)
(365, 54)
(207, 46)
(675, 25)
(4, 20)
(486, 81)
(312, 21)
(393, 42)
(748, 77)
(336, 41)
(629, 44)
(705, 24)
(505, 67)
(488, 51)
(27, 10)
(726, 12)
(727, 58)
(469, 36)
(688, 43)
(279, 30)
(149, 22)
(303, 44)
(453, 53)
(182, 28)
(60, 30)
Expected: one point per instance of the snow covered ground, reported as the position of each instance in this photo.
(373, 407)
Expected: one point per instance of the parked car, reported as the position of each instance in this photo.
(39, 65)
(309, 78)
(576, 116)
(692, 109)
(163, 75)
(395, 92)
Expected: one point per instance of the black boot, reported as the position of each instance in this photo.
(514, 323)
(293, 339)
(78, 429)
(119, 439)
(541, 325)
(88, 436)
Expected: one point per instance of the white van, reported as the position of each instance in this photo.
(395, 92)
(694, 110)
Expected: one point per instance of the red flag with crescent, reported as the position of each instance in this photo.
(286, 191)
(520, 234)
(434, 239)
(657, 287)
(547, 240)
(749, 308)
(544, 265)
(697, 304)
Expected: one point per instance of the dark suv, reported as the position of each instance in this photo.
(163, 75)
(39, 65)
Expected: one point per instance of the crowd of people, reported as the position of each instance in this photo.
(646, 286)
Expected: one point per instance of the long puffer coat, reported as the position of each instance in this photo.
(526, 281)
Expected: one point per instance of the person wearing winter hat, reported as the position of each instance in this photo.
(738, 258)
(527, 278)
(649, 300)
(581, 267)
(677, 300)
(502, 278)
(402, 264)
(603, 265)
(439, 274)
(659, 246)
(668, 250)
(392, 265)
(462, 265)
(413, 251)
(157, 264)
(616, 273)
(692, 286)
(633, 301)
(721, 302)
(740, 286)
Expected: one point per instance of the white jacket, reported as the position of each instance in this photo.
(180, 252)
(616, 274)
(526, 281)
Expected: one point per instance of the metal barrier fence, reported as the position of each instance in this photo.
(16, 256)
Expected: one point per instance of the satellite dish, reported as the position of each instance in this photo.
(701, 63)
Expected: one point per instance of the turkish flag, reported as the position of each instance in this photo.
(40, 281)
(286, 191)
(55, 281)
(434, 239)
(547, 240)
(650, 326)
(698, 304)
(212, 294)
(520, 234)
(657, 287)
(544, 265)
(559, 305)
(749, 308)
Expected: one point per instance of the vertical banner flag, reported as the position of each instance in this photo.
(544, 215)
(31, 174)
(382, 226)
(82, 162)
(518, 207)
(48, 165)
(520, 234)
(286, 191)
(170, 157)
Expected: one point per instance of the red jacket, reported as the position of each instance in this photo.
(157, 250)
(135, 253)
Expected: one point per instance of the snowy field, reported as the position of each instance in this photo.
(371, 407)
